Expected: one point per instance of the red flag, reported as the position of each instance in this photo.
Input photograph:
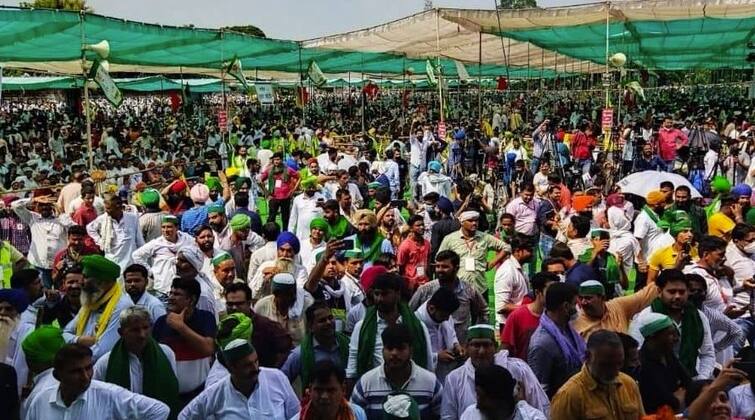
(371, 90)
(175, 100)
(503, 83)
(302, 96)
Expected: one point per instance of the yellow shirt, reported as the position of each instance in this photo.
(720, 225)
(665, 258)
(581, 397)
(619, 311)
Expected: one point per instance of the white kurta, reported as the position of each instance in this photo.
(459, 388)
(15, 356)
(153, 305)
(100, 401)
(125, 237)
(159, 256)
(304, 209)
(272, 399)
(136, 372)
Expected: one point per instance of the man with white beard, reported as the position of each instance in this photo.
(12, 332)
(288, 247)
(102, 300)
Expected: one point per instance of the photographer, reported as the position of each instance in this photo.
(737, 163)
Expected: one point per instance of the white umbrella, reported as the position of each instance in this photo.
(641, 183)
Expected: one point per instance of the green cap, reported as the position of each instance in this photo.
(654, 322)
(218, 259)
(169, 218)
(215, 208)
(591, 288)
(481, 331)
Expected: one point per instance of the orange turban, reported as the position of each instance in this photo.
(655, 197)
(582, 202)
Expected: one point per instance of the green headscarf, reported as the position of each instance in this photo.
(213, 183)
(240, 325)
(41, 345)
(322, 224)
(239, 222)
(676, 221)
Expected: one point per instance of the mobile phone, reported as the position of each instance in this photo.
(348, 244)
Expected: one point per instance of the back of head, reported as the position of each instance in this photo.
(540, 280)
(70, 353)
(496, 381)
(270, 231)
(445, 300)
(581, 225)
(23, 278)
(602, 338)
(559, 293)
(561, 250)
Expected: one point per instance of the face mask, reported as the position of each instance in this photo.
(749, 249)
(562, 278)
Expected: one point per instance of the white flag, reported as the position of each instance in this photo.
(462, 71)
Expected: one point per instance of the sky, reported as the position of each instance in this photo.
(283, 19)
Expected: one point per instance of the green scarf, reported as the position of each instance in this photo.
(374, 249)
(691, 334)
(159, 381)
(282, 171)
(307, 355)
(713, 207)
(612, 266)
(368, 335)
(651, 214)
(339, 230)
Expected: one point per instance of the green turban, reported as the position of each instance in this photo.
(223, 256)
(240, 181)
(213, 183)
(41, 344)
(720, 185)
(322, 224)
(150, 197)
(239, 222)
(215, 208)
(677, 221)
(234, 326)
(100, 268)
(309, 182)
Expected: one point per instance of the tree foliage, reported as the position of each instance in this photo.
(518, 4)
(247, 29)
(58, 4)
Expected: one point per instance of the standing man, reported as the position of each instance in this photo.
(418, 143)
(683, 201)
(138, 363)
(102, 301)
(135, 280)
(548, 219)
(368, 239)
(160, 254)
(523, 321)
(281, 182)
(473, 309)
(305, 208)
(511, 285)
(116, 232)
(472, 247)
(413, 254)
(76, 395)
(524, 210)
(670, 140)
(600, 386)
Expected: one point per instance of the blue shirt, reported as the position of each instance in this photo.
(193, 218)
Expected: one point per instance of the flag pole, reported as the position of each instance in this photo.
(87, 113)
(440, 72)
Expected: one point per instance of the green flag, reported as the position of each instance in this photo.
(430, 73)
(106, 83)
(315, 74)
(234, 69)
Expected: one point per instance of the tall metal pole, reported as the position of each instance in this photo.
(606, 83)
(437, 54)
(87, 114)
(479, 81)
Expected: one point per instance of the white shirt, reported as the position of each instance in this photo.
(272, 399)
(418, 149)
(136, 373)
(356, 195)
(126, 237)
(304, 209)
(152, 304)
(159, 255)
(522, 411)
(744, 268)
(706, 356)
(100, 401)
(442, 334)
(390, 169)
(459, 388)
(714, 299)
(48, 235)
(308, 252)
(710, 160)
(15, 356)
(742, 401)
(510, 286)
(651, 237)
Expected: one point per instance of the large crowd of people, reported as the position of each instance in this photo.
(281, 266)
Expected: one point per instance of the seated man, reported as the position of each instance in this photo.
(286, 305)
(327, 395)
(135, 279)
(497, 399)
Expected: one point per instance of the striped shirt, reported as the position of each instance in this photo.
(373, 388)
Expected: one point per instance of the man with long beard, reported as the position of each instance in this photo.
(12, 332)
(288, 247)
(102, 300)
(368, 239)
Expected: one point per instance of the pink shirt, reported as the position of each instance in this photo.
(281, 190)
(412, 256)
(670, 139)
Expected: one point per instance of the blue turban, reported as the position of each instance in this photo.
(459, 135)
(434, 166)
(445, 205)
(741, 190)
(287, 237)
(15, 297)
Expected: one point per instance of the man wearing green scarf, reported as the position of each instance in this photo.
(338, 225)
(605, 263)
(414, 392)
(321, 342)
(280, 184)
(366, 347)
(678, 254)
(695, 349)
(138, 363)
(368, 238)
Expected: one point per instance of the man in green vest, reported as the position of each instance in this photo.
(11, 260)
(605, 263)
